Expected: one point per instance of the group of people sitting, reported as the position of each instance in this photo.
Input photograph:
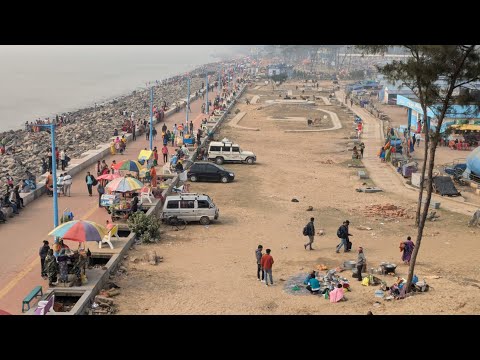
(11, 199)
(313, 285)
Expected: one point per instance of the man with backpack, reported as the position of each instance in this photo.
(309, 230)
(91, 181)
(343, 234)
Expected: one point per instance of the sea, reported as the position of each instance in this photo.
(39, 81)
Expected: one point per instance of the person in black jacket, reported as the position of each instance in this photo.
(43, 254)
(343, 235)
(310, 233)
(90, 180)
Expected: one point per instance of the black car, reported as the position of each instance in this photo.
(206, 171)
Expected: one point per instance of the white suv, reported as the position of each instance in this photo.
(226, 151)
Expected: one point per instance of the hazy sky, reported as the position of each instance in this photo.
(38, 81)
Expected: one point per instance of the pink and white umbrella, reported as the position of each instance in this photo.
(108, 177)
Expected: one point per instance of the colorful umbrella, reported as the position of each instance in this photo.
(129, 165)
(80, 230)
(124, 184)
(108, 177)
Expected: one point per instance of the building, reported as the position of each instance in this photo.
(279, 69)
(463, 114)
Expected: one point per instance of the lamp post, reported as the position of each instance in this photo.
(54, 174)
(206, 98)
(151, 118)
(188, 98)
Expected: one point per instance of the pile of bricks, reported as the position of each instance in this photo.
(386, 211)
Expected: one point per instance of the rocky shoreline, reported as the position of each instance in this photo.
(89, 127)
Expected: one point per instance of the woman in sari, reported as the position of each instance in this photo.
(153, 175)
(112, 148)
(407, 248)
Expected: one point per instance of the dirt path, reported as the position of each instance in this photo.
(212, 270)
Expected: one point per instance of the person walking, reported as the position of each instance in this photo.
(407, 248)
(343, 234)
(165, 153)
(89, 179)
(67, 184)
(258, 255)
(191, 127)
(134, 132)
(362, 147)
(101, 191)
(43, 254)
(267, 262)
(155, 156)
(310, 233)
(62, 159)
(361, 262)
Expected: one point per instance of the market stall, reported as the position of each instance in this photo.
(122, 206)
(74, 262)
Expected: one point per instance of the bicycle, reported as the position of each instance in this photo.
(175, 222)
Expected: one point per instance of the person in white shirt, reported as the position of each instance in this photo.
(67, 184)
(62, 158)
(60, 185)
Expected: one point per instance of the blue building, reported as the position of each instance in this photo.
(454, 114)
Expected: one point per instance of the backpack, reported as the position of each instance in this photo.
(94, 181)
(305, 230)
(340, 232)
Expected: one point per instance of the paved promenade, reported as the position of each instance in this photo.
(21, 237)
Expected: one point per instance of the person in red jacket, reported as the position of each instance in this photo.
(267, 263)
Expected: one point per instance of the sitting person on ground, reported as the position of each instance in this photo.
(18, 198)
(309, 276)
(313, 285)
(7, 203)
(337, 294)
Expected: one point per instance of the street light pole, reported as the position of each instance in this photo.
(219, 80)
(188, 99)
(206, 100)
(54, 174)
(151, 118)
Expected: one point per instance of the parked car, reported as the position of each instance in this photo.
(190, 207)
(206, 171)
(227, 151)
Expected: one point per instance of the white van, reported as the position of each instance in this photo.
(190, 207)
(226, 151)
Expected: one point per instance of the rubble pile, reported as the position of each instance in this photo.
(386, 211)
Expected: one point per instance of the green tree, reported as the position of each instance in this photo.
(146, 228)
(433, 73)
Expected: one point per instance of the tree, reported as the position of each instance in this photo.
(433, 73)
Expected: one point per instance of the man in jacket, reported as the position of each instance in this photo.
(361, 262)
(258, 255)
(267, 262)
(310, 233)
(43, 254)
(89, 180)
(344, 236)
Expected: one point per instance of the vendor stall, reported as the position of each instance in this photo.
(145, 158)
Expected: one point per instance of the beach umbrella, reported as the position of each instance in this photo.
(124, 184)
(3, 312)
(129, 165)
(108, 177)
(80, 230)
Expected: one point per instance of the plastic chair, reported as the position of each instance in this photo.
(107, 238)
(146, 193)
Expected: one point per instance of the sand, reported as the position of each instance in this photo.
(212, 269)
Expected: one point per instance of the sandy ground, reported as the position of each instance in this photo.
(212, 269)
